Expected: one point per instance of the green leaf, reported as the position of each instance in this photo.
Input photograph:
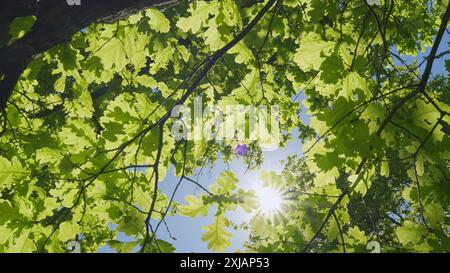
(248, 200)
(385, 169)
(435, 214)
(216, 235)
(162, 59)
(20, 26)
(146, 81)
(194, 207)
(312, 52)
(231, 13)
(131, 225)
(5, 171)
(226, 183)
(5, 235)
(23, 243)
(68, 231)
(426, 116)
(409, 232)
(112, 54)
(7, 212)
(60, 84)
(200, 11)
(332, 69)
(244, 54)
(9, 170)
(122, 247)
(332, 230)
(215, 39)
(47, 155)
(159, 246)
(355, 236)
(351, 84)
(81, 107)
(158, 21)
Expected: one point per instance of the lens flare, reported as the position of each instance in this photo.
(271, 201)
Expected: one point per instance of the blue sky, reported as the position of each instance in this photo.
(189, 231)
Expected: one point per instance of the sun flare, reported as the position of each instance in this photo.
(270, 200)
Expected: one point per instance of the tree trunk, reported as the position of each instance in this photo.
(56, 22)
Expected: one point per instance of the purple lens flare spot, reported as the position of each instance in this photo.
(242, 150)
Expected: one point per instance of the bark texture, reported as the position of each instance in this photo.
(56, 22)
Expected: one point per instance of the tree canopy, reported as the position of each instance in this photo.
(87, 93)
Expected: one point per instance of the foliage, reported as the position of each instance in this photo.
(86, 136)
